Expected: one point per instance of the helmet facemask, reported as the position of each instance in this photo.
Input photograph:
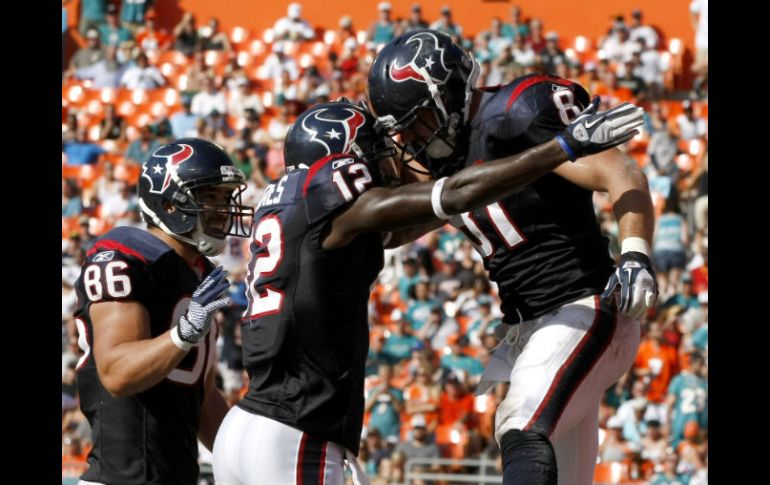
(208, 221)
(450, 119)
(219, 213)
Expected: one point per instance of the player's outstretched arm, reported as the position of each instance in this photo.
(389, 209)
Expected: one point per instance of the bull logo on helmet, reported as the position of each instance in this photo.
(160, 173)
(335, 135)
(423, 64)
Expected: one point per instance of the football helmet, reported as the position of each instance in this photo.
(339, 127)
(174, 194)
(424, 69)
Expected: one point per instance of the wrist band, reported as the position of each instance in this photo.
(181, 344)
(435, 199)
(566, 147)
(637, 244)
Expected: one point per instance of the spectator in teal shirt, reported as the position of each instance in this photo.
(419, 307)
(111, 33)
(485, 323)
(687, 298)
(132, 13)
(81, 151)
(385, 404)
(687, 394)
(458, 361)
(376, 357)
(700, 337)
(517, 26)
(139, 150)
(669, 253)
(384, 29)
(408, 279)
(92, 13)
(398, 345)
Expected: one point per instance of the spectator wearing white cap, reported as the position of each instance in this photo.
(90, 54)
(293, 26)
(383, 30)
(420, 445)
(346, 31)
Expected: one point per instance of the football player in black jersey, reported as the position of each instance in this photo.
(318, 239)
(145, 304)
(541, 244)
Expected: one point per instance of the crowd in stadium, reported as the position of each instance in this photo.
(133, 86)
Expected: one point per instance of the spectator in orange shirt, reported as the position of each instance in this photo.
(656, 363)
(455, 405)
(151, 39)
(422, 399)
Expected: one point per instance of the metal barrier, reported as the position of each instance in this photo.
(481, 477)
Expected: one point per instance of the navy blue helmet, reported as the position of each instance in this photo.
(337, 127)
(173, 194)
(423, 69)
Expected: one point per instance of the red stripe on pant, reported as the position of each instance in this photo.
(571, 374)
(311, 461)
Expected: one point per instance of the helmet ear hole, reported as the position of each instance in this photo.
(168, 207)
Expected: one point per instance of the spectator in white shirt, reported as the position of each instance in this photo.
(142, 75)
(208, 100)
(293, 26)
(641, 31)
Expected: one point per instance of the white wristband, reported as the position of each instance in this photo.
(181, 344)
(637, 244)
(435, 199)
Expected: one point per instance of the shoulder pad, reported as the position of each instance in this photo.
(115, 271)
(335, 181)
(132, 243)
(539, 106)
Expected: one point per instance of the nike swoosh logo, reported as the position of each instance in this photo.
(630, 273)
(591, 124)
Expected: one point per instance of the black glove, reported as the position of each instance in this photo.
(636, 280)
(594, 132)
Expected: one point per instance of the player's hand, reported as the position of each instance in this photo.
(636, 280)
(206, 300)
(594, 132)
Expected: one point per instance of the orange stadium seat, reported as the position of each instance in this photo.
(174, 57)
(610, 473)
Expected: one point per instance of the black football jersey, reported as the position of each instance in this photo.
(542, 244)
(305, 332)
(150, 437)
